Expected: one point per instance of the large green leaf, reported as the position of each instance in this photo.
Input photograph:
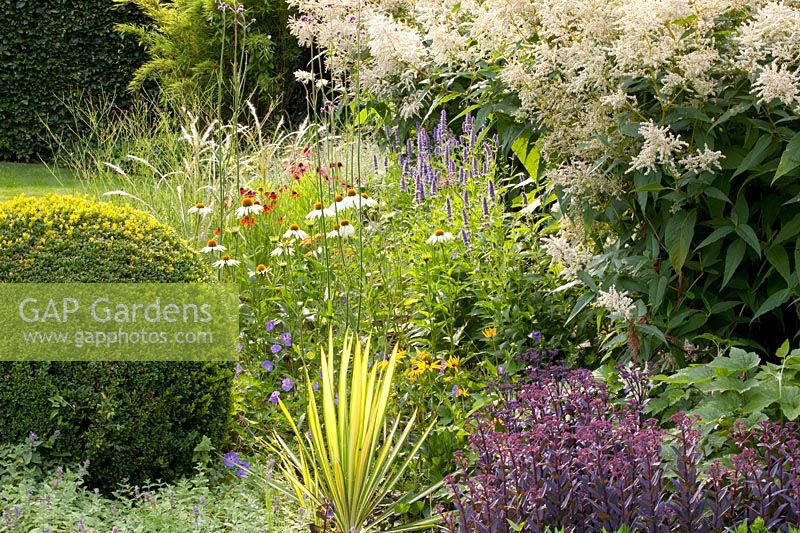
(755, 155)
(790, 159)
(736, 361)
(733, 257)
(775, 299)
(777, 257)
(678, 235)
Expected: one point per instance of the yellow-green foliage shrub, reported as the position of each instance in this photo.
(132, 420)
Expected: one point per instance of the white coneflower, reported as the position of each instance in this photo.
(260, 270)
(226, 261)
(364, 201)
(346, 230)
(201, 209)
(319, 211)
(440, 236)
(339, 204)
(212, 246)
(249, 208)
(294, 232)
(351, 199)
(334, 231)
(282, 249)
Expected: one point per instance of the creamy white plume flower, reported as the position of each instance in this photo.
(705, 160)
(303, 76)
(566, 252)
(776, 82)
(659, 148)
(617, 303)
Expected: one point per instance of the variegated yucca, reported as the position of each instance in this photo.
(350, 459)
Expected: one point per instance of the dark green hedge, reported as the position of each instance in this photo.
(49, 50)
(133, 421)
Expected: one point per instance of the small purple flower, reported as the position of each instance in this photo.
(230, 459)
(33, 437)
(315, 386)
(267, 365)
(238, 369)
(239, 347)
(276, 348)
(243, 470)
(454, 390)
(287, 384)
(270, 325)
(336, 399)
(536, 336)
(286, 338)
(442, 366)
(275, 397)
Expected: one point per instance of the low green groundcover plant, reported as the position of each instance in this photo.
(41, 495)
(132, 421)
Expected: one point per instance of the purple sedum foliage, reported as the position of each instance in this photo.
(560, 452)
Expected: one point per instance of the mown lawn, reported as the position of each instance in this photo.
(34, 180)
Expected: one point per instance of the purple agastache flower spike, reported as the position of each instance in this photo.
(238, 370)
(462, 176)
(443, 120)
(396, 139)
(465, 237)
(465, 216)
(375, 163)
(490, 190)
(465, 198)
(448, 209)
(386, 163)
(485, 206)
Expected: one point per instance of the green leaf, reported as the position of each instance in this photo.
(733, 258)
(777, 257)
(580, 305)
(729, 383)
(775, 299)
(755, 156)
(758, 398)
(790, 159)
(716, 235)
(788, 230)
(737, 360)
(717, 194)
(783, 351)
(790, 401)
(678, 236)
(746, 232)
(528, 155)
(652, 331)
